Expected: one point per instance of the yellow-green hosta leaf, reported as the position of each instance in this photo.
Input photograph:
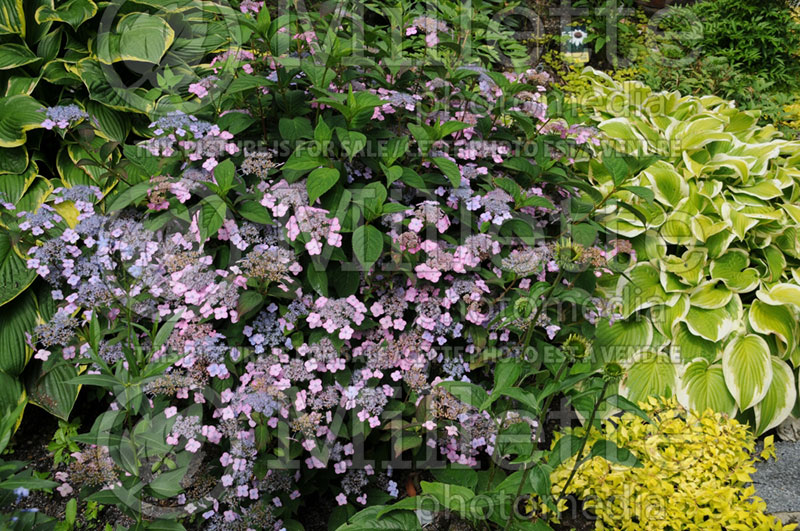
(738, 222)
(641, 289)
(710, 295)
(731, 268)
(777, 320)
(677, 230)
(704, 227)
(747, 367)
(703, 387)
(780, 294)
(793, 211)
(766, 189)
(777, 404)
(623, 130)
(712, 325)
(776, 263)
(690, 267)
(650, 374)
(730, 165)
(622, 340)
(668, 185)
(664, 316)
(690, 346)
(624, 228)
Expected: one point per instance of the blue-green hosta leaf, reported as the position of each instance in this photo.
(747, 368)
(778, 320)
(710, 296)
(15, 55)
(74, 13)
(777, 404)
(13, 161)
(651, 374)
(50, 389)
(622, 340)
(642, 289)
(15, 276)
(105, 86)
(18, 114)
(703, 387)
(113, 125)
(138, 37)
(17, 318)
(731, 268)
(780, 294)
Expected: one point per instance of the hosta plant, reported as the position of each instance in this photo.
(709, 308)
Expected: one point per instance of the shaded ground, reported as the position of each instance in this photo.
(777, 481)
(30, 444)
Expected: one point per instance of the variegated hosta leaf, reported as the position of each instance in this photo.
(690, 346)
(665, 316)
(739, 223)
(713, 325)
(702, 386)
(642, 289)
(777, 404)
(748, 369)
(667, 184)
(690, 266)
(650, 374)
(731, 268)
(777, 320)
(710, 296)
(622, 340)
(780, 294)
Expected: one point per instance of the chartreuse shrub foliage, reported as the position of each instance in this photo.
(695, 474)
(714, 223)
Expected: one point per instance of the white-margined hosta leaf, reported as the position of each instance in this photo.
(702, 386)
(777, 404)
(650, 374)
(778, 320)
(748, 369)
